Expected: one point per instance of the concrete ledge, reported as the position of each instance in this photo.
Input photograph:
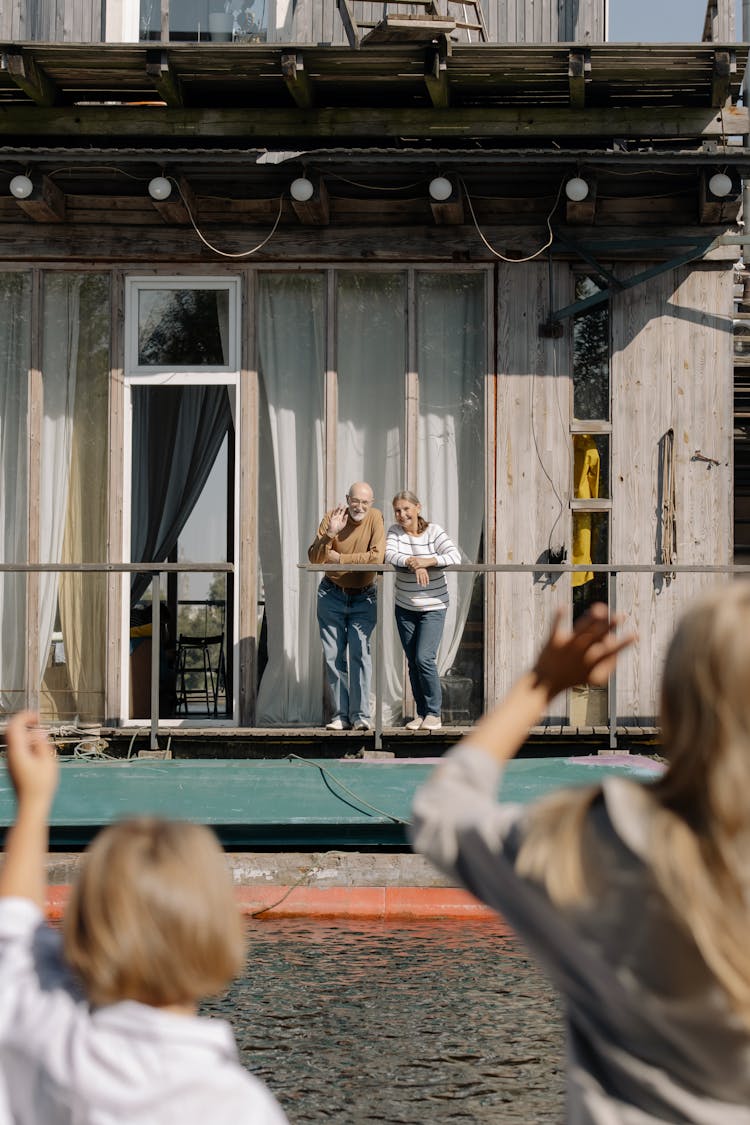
(388, 904)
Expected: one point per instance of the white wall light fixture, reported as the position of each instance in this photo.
(21, 187)
(720, 184)
(576, 189)
(440, 189)
(159, 188)
(302, 189)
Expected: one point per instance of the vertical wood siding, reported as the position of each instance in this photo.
(532, 451)
(671, 368)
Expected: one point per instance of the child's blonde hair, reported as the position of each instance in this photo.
(153, 916)
(699, 836)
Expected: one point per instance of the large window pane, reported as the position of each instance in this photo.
(591, 351)
(15, 358)
(73, 513)
(183, 328)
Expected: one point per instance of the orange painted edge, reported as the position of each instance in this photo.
(376, 903)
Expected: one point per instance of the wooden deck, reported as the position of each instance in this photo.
(314, 742)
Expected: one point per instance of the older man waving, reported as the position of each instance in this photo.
(347, 603)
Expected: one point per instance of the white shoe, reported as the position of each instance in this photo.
(415, 723)
(361, 724)
(432, 722)
(337, 724)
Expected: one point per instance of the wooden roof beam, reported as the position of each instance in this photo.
(30, 77)
(714, 209)
(314, 211)
(725, 67)
(584, 210)
(436, 78)
(166, 82)
(297, 80)
(450, 211)
(274, 124)
(349, 20)
(46, 204)
(579, 73)
(174, 210)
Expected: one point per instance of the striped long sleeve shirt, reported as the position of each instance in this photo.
(432, 543)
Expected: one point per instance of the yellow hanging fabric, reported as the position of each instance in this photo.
(586, 465)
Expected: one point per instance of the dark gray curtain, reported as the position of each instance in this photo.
(177, 434)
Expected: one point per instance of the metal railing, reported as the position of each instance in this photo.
(155, 570)
(612, 570)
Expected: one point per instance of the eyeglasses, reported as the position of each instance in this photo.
(355, 502)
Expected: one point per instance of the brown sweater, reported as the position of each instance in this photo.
(362, 542)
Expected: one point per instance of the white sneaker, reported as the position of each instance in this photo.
(432, 722)
(337, 724)
(415, 723)
(361, 724)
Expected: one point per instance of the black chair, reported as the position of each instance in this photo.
(201, 674)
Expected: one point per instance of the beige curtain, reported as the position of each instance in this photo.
(75, 676)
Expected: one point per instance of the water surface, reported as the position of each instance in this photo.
(370, 1022)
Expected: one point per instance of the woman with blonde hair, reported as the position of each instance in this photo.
(420, 551)
(634, 897)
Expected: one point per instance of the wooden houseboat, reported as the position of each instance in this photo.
(471, 249)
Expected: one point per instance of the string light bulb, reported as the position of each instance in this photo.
(159, 188)
(21, 187)
(440, 189)
(302, 189)
(576, 189)
(720, 184)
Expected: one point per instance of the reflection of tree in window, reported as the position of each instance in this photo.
(182, 329)
(591, 355)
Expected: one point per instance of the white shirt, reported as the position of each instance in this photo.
(125, 1064)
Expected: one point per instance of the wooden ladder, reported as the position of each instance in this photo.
(393, 25)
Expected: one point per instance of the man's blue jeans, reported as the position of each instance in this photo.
(346, 621)
(420, 632)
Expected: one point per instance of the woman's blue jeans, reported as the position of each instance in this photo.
(346, 621)
(420, 632)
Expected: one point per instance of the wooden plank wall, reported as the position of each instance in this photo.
(508, 21)
(671, 364)
(52, 21)
(533, 450)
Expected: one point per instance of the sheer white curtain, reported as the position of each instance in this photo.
(452, 359)
(291, 496)
(62, 301)
(371, 364)
(15, 337)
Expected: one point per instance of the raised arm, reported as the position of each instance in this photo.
(32, 765)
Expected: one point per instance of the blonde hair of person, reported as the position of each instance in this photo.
(152, 916)
(412, 498)
(699, 842)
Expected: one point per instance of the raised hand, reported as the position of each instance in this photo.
(337, 520)
(585, 654)
(32, 760)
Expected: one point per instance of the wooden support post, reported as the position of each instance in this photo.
(725, 67)
(351, 28)
(166, 83)
(579, 73)
(583, 210)
(46, 204)
(450, 211)
(314, 211)
(436, 78)
(30, 77)
(297, 80)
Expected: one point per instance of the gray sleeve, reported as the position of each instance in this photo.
(456, 816)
